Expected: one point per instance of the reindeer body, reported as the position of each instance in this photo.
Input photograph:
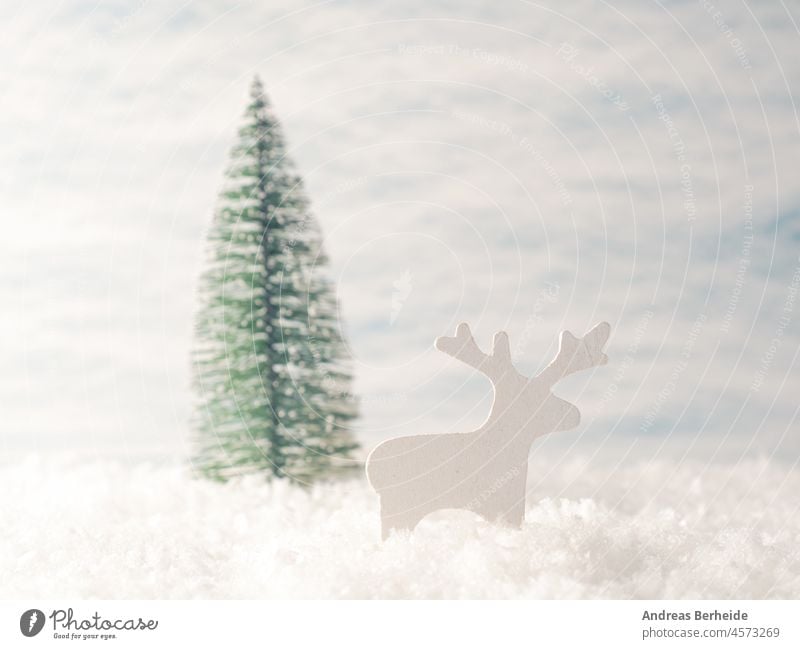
(483, 471)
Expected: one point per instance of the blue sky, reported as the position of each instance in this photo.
(521, 166)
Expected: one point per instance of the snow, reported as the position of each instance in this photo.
(650, 529)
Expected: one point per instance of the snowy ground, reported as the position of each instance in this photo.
(651, 530)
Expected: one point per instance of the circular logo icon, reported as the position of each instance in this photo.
(31, 622)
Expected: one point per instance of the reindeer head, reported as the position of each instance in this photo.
(522, 403)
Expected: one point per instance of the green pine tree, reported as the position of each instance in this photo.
(270, 364)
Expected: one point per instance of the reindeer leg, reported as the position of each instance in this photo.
(506, 505)
(515, 515)
(397, 516)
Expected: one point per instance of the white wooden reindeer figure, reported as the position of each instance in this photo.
(483, 471)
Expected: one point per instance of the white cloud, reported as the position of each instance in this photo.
(456, 133)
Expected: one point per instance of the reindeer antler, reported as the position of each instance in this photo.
(576, 354)
(463, 347)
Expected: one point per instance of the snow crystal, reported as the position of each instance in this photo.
(649, 530)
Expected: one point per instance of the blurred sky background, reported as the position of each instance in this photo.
(522, 166)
